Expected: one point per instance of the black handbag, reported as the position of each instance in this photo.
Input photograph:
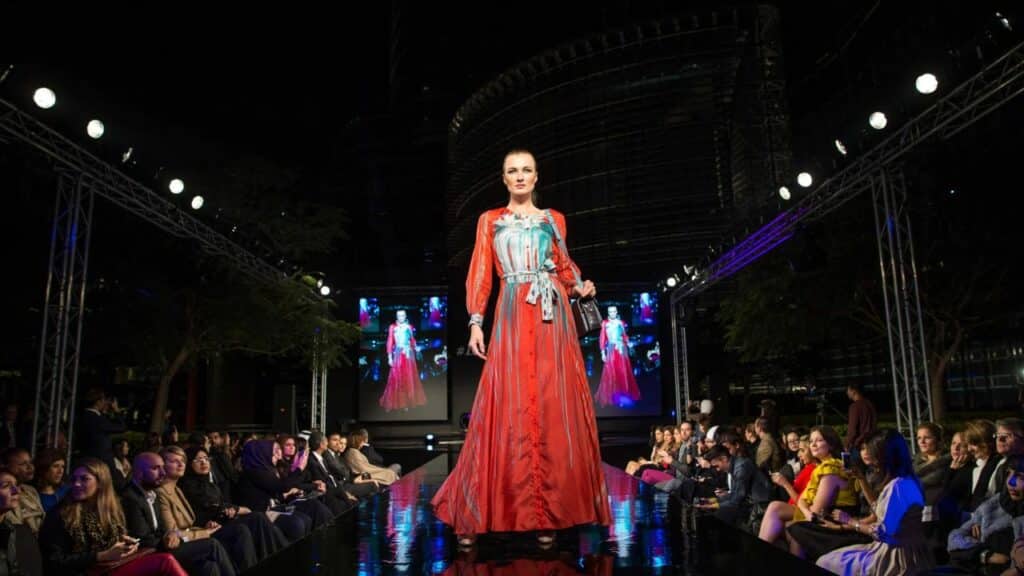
(587, 314)
(585, 311)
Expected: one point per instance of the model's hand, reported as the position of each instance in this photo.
(586, 291)
(476, 342)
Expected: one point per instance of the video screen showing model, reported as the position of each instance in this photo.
(403, 365)
(623, 359)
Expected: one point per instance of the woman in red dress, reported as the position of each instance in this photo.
(531, 460)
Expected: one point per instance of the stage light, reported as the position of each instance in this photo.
(176, 186)
(197, 202)
(804, 179)
(44, 98)
(784, 193)
(1004, 21)
(926, 83)
(325, 290)
(95, 129)
(430, 437)
(671, 282)
(878, 121)
(840, 146)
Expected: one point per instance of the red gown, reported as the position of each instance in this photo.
(531, 460)
(404, 388)
(618, 386)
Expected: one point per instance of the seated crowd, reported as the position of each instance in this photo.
(211, 505)
(868, 507)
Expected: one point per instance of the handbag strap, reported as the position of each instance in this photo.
(561, 246)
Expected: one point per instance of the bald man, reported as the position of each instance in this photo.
(142, 518)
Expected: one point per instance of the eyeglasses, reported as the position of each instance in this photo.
(1005, 437)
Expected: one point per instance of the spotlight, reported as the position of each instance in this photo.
(197, 202)
(878, 121)
(804, 179)
(176, 186)
(325, 290)
(926, 83)
(840, 146)
(1004, 21)
(784, 193)
(95, 129)
(44, 98)
(671, 282)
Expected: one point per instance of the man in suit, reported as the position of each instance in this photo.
(96, 427)
(142, 520)
(353, 483)
(374, 457)
(317, 468)
(733, 505)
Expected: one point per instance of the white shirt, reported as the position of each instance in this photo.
(151, 500)
(976, 475)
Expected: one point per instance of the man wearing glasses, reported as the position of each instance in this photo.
(1009, 442)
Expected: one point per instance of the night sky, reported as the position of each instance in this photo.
(331, 98)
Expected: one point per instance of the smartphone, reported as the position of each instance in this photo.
(846, 460)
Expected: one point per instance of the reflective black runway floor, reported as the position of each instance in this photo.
(397, 533)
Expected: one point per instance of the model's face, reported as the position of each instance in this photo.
(519, 173)
(613, 312)
(686, 431)
(400, 315)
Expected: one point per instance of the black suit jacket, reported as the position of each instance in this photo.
(372, 455)
(979, 494)
(95, 432)
(139, 520)
(337, 467)
(316, 471)
(58, 549)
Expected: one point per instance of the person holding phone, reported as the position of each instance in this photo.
(86, 532)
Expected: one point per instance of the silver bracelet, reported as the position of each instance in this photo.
(476, 320)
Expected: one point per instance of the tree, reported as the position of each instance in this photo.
(186, 308)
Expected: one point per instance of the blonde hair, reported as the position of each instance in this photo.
(105, 502)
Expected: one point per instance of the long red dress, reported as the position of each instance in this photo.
(531, 460)
(618, 386)
(404, 388)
